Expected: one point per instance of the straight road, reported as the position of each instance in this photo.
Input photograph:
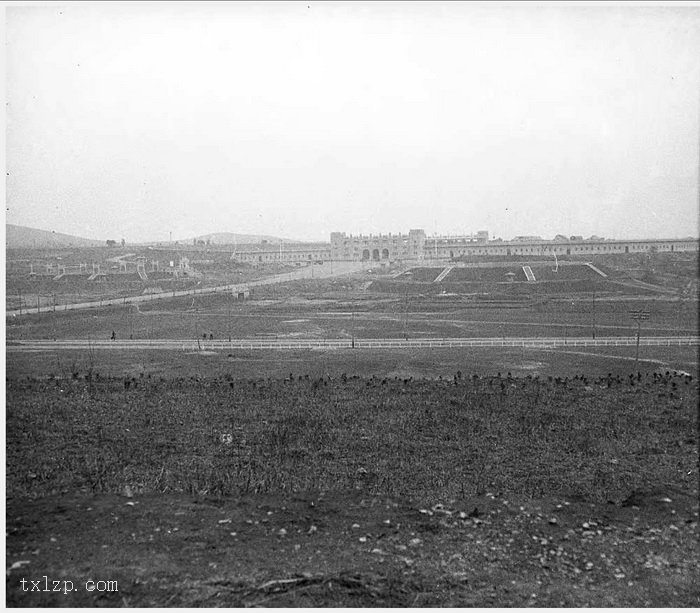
(343, 343)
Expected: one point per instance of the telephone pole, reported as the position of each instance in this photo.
(405, 310)
(353, 326)
(228, 321)
(639, 315)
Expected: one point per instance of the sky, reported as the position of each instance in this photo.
(298, 119)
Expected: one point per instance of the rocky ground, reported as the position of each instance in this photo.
(352, 549)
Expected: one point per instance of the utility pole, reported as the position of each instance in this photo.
(353, 326)
(194, 322)
(405, 310)
(638, 315)
(405, 316)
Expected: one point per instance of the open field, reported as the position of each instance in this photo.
(342, 314)
(421, 362)
(412, 476)
(355, 491)
(111, 423)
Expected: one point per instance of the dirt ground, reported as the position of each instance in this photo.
(350, 549)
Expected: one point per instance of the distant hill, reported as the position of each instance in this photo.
(22, 237)
(231, 238)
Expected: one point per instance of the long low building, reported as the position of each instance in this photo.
(417, 246)
(444, 249)
(289, 253)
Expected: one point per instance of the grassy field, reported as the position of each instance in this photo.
(458, 435)
(355, 491)
(426, 362)
(341, 314)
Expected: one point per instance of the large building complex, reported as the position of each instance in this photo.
(417, 246)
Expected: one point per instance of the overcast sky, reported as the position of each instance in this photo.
(299, 119)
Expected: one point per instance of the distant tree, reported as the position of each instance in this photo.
(111, 243)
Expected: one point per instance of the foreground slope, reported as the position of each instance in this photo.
(355, 491)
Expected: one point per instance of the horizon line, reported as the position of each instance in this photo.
(266, 237)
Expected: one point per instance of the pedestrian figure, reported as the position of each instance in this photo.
(211, 337)
(114, 335)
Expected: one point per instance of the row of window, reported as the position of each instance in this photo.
(552, 249)
(365, 243)
(276, 256)
(545, 250)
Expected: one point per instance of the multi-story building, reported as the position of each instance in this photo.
(416, 246)
(378, 247)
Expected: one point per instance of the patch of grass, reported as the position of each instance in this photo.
(417, 438)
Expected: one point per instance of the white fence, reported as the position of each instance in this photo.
(347, 343)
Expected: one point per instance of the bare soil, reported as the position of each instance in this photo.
(352, 550)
